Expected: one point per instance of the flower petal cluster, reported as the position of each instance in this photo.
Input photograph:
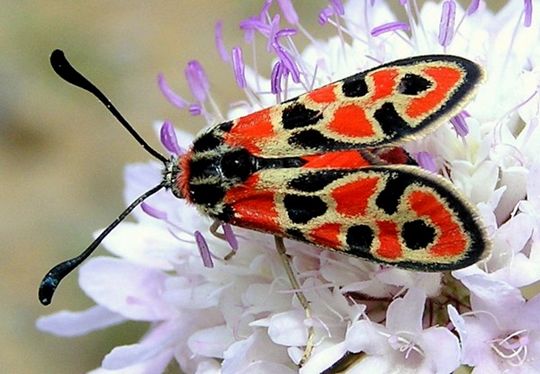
(241, 316)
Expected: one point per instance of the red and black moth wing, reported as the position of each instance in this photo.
(311, 168)
(393, 214)
(379, 107)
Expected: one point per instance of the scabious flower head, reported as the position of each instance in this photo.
(240, 316)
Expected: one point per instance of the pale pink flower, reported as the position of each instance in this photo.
(502, 332)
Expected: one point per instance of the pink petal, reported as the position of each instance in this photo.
(211, 342)
(324, 358)
(288, 328)
(497, 297)
(151, 246)
(521, 272)
(257, 347)
(66, 323)
(130, 290)
(138, 356)
(405, 314)
(364, 336)
(441, 348)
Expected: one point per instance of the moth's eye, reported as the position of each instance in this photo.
(412, 84)
(237, 164)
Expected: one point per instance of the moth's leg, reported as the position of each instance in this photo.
(282, 251)
(214, 231)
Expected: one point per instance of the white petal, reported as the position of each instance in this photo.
(152, 246)
(130, 290)
(366, 336)
(323, 359)
(155, 348)
(211, 342)
(257, 347)
(208, 367)
(66, 323)
(288, 328)
(405, 314)
(441, 349)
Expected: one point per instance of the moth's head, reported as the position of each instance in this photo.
(174, 176)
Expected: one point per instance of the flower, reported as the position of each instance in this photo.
(241, 316)
(501, 332)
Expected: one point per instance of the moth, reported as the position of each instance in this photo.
(327, 168)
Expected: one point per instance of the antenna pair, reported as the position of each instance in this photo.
(63, 68)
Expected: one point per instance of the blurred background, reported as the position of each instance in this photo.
(62, 154)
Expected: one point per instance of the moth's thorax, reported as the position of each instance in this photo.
(209, 169)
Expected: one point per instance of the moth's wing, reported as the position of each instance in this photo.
(382, 106)
(395, 214)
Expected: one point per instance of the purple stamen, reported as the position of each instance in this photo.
(195, 109)
(288, 11)
(473, 7)
(220, 45)
(325, 14)
(238, 67)
(256, 23)
(288, 63)
(230, 237)
(249, 27)
(275, 78)
(153, 212)
(338, 7)
(285, 32)
(388, 27)
(266, 6)
(197, 80)
(169, 140)
(169, 94)
(203, 250)
(446, 26)
(271, 33)
(403, 2)
(528, 13)
(425, 160)
(460, 125)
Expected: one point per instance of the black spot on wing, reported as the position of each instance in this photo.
(412, 84)
(417, 234)
(315, 181)
(389, 197)
(360, 238)
(297, 115)
(225, 126)
(354, 86)
(302, 209)
(391, 122)
(314, 139)
(296, 234)
(206, 142)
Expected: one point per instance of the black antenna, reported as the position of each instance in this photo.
(56, 274)
(63, 68)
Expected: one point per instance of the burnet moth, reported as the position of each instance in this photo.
(326, 168)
